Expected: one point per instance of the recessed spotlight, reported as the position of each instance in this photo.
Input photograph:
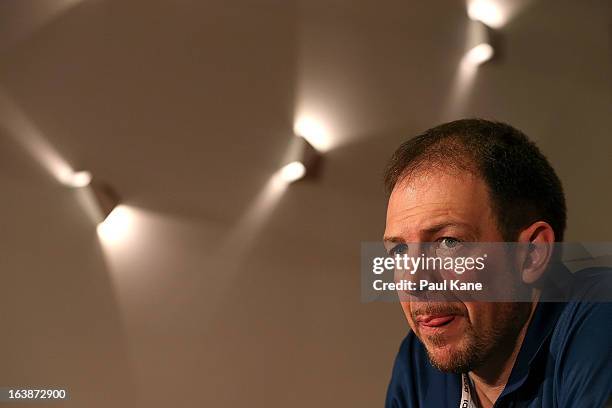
(302, 160)
(106, 199)
(479, 44)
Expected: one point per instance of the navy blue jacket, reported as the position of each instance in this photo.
(565, 361)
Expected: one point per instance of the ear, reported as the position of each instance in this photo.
(537, 242)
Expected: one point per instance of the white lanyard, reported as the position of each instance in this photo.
(466, 393)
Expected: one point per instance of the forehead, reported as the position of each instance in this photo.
(431, 198)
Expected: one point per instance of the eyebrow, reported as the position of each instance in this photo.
(429, 230)
(393, 239)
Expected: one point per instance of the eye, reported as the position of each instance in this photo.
(399, 249)
(448, 243)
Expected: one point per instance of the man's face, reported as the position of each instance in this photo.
(450, 206)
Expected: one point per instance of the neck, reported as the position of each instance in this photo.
(491, 377)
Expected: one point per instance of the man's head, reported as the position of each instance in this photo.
(471, 181)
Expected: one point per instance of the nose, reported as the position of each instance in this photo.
(418, 253)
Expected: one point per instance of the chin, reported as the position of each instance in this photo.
(451, 357)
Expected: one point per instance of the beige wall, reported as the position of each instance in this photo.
(223, 295)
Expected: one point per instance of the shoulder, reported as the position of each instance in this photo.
(583, 323)
(589, 307)
(582, 341)
(587, 313)
(592, 284)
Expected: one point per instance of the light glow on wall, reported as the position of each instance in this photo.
(293, 171)
(479, 54)
(478, 51)
(25, 132)
(487, 11)
(314, 131)
(76, 179)
(114, 229)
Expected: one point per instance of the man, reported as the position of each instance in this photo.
(480, 181)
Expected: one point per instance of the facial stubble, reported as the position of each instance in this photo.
(478, 346)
